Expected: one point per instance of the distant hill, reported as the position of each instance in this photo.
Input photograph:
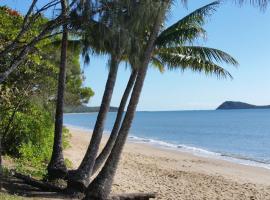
(229, 105)
(85, 109)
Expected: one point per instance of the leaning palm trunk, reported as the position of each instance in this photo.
(57, 167)
(100, 188)
(0, 157)
(109, 145)
(1, 167)
(79, 179)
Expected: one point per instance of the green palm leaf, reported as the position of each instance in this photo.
(260, 3)
(182, 62)
(158, 64)
(204, 53)
(191, 25)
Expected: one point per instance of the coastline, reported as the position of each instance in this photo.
(177, 175)
(199, 152)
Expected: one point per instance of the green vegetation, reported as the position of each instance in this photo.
(10, 197)
(27, 98)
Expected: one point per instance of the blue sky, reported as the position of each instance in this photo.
(244, 32)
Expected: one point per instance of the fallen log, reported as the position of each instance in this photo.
(134, 196)
(38, 184)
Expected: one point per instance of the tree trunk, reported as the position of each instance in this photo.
(133, 196)
(79, 179)
(0, 160)
(0, 155)
(57, 167)
(100, 188)
(109, 145)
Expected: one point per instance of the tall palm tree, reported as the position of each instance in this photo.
(109, 145)
(104, 154)
(101, 186)
(57, 167)
(170, 44)
(116, 41)
(173, 56)
(79, 179)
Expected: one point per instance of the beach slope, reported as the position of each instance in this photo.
(176, 175)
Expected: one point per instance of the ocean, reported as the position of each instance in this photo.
(241, 136)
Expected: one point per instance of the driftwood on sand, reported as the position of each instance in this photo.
(31, 187)
(39, 184)
(134, 196)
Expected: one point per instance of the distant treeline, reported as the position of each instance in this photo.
(85, 109)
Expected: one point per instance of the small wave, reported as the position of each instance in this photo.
(153, 142)
(197, 150)
(241, 157)
(244, 160)
(204, 153)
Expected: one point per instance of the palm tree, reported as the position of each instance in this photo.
(57, 167)
(112, 31)
(190, 28)
(109, 145)
(101, 186)
(80, 178)
(168, 52)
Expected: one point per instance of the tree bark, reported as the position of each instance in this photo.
(0, 160)
(57, 167)
(100, 188)
(45, 186)
(80, 179)
(1, 167)
(134, 196)
(109, 145)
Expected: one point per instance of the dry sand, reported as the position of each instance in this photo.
(174, 175)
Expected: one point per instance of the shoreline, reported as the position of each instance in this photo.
(199, 152)
(177, 175)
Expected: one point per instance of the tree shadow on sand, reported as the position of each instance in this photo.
(15, 186)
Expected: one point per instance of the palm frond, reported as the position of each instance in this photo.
(158, 64)
(193, 21)
(182, 62)
(73, 45)
(258, 3)
(204, 53)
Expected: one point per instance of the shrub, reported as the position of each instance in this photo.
(30, 140)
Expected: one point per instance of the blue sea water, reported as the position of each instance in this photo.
(241, 136)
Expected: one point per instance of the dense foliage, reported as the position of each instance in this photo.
(27, 97)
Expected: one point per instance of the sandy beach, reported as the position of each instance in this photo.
(175, 175)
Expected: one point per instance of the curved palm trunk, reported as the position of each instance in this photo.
(57, 167)
(1, 167)
(109, 145)
(0, 158)
(79, 179)
(100, 188)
